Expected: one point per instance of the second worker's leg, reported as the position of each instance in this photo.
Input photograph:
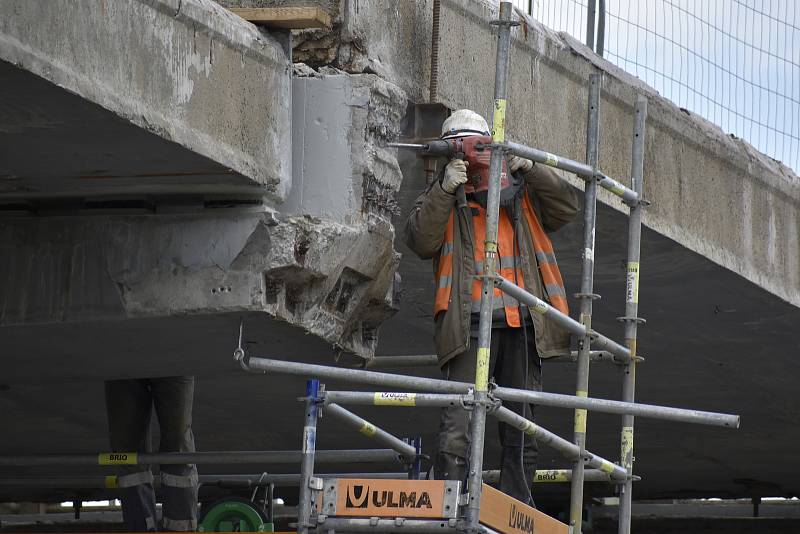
(173, 398)
(129, 407)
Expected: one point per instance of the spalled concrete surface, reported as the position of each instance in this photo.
(187, 70)
(332, 280)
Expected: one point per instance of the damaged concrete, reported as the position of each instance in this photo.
(332, 280)
(160, 185)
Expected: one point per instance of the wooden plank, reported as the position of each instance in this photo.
(510, 516)
(292, 18)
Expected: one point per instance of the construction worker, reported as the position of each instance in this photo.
(129, 404)
(453, 237)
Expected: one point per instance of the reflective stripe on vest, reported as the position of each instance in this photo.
(444, 274)
(552, 282)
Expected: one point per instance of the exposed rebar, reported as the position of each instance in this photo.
(434, 85)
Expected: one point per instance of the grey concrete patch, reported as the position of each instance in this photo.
(342, 170)
(188, 70)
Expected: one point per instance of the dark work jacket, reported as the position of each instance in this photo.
(555, 203)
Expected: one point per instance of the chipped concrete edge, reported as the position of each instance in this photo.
(160, 117)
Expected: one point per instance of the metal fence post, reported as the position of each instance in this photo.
(631, 319)
(601, 28)
(587, 296)
(478, 421)
(590, 16)
(305, 504)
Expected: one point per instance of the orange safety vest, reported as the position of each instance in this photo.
(554, 291)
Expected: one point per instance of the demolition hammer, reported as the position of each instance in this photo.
(475, 150)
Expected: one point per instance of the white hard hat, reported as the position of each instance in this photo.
(463, 123)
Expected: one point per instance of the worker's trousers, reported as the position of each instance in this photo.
(129, 404)
(519, 451)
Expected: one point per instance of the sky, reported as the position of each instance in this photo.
(734, 62)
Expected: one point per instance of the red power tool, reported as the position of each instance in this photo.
(476, 150)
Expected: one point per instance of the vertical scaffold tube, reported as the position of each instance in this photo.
(306, 503)
(631, 318)
(478, 421)
(586, 297)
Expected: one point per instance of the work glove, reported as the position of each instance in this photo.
(455, 174)
(519, 164)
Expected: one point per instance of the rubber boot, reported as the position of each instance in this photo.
(139, 508)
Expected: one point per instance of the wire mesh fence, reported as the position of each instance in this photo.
(734, 62)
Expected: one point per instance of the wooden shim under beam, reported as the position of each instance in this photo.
(292, 18)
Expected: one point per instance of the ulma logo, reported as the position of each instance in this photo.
(357, 496)
(360, 496)
(519, 520)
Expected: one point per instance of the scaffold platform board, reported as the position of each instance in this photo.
(430, 499)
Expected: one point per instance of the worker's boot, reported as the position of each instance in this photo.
(139, 508)
(450, 467)
(516, 475)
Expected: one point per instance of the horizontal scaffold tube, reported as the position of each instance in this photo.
(599, 341)
(237, 481)
(409, 360)
(219, 458)
(403, 382)
(363, 426)
(283, 479)
(366, 524)
(628, 195)
(382, 398)
(552, 476)
(594, 355)
(431, 360)
(567, 448)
